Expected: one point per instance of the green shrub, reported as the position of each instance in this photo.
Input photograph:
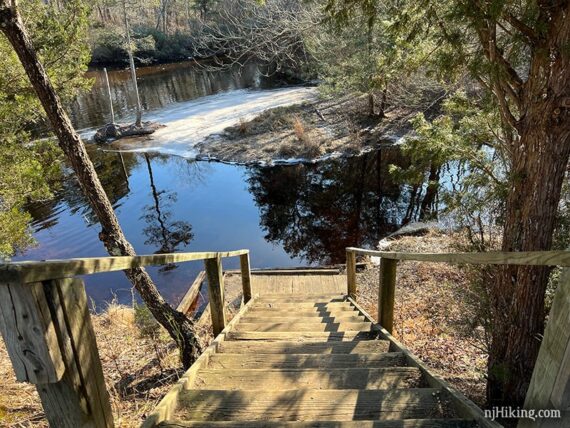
(146, 323)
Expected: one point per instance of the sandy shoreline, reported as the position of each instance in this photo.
(310, 132)
(284, 126)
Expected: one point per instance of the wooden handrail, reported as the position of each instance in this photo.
(530, 258)
(48, 334)
(550, 384)
(389, 259)
(55, 269)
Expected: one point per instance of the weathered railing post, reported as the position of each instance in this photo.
(351, 273)
(49, 337)
(216, 293)
(386, 293)
(550, 383)
(245, 277)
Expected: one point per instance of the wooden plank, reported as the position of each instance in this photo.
(349, 317)
(303, 310)
(260, 283)
(296, 326)
(317, 298)
(406, 423)
(280, 316)
(80, 398)
(338, 282)
(317, 306)
(293, 285)
(351, 273)
(204, 316)
(550, 383)
(278, 380)
(531, 258)
(28, 331)
(245, 277)
(300, 336)
(280, 284)
(216, 293)
(53, 269)
(306, 361)
(192, 293)
(310, 285)
(301, 286)
(209, 405)
(296, 272)
(461, 405)
(262, 347)
(387, 293)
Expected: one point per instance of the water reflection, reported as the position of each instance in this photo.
(161, 231)
(316, 211)
(164, 203)
(287, 216)
(159, 85)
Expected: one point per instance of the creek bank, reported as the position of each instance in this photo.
(437, 312)
(311, 131)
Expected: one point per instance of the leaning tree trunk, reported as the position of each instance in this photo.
(539, 162)
(176, 323)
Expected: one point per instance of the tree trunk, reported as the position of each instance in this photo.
(382, 112)
(540, 159)
(178, 326)
(371, 103)
(138, 120)
(428, 202)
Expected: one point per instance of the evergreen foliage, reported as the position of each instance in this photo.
(29, 171)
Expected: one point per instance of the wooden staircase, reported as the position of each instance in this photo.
(300, 352)
(309, 361)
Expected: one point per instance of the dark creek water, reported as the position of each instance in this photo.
(286, 215)
(159, 86)
(289, 215)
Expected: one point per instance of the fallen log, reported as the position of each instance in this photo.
(115, 131)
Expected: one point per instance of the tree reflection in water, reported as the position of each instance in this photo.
(316, 211)
(161, 231)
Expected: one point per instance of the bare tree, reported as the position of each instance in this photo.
(272, 33)
(178, 326)
(138, 121)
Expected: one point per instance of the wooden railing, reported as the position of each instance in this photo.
(46, 326)
(550, 384)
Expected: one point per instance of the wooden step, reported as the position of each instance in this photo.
(303, 306)
(406, 423)
(295, 271)
(300, 326)
(278, 380)
(306, 315)
(262, 347)
(308, 405)
(305, 361)
(292, 298)
(350, 317)
(301, 336)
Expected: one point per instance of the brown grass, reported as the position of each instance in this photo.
(243, 126)
(434, 314)
(138, 372)
(299, 129)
